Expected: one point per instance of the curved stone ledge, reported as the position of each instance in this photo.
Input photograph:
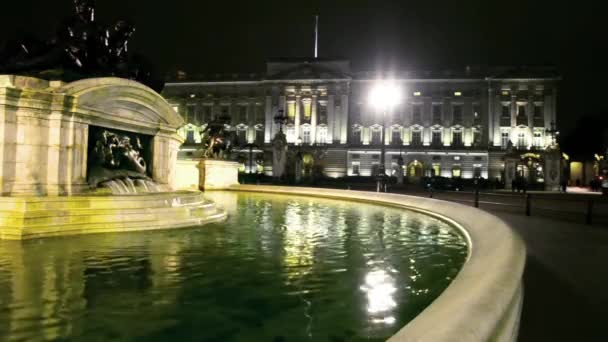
(24, 218)
(483, 302)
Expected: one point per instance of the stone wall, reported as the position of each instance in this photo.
(44, 130)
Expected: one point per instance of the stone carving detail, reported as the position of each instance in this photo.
(116, 155)
(82, 48)
(115, 151)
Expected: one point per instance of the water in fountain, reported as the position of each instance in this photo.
(123, 186)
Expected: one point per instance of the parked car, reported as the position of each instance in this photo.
(443, 183)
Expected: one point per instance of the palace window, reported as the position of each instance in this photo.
(504, 140)
(417, 114)
(476, 115)
(190, 136)
(437, 114)
(307, 104)
(456, 171)
(322, 114)
(538, 139)
(457, 115)
(322, 135)
(259, 136)
(416, 138)
(505, 118)
(241, 136)
(539, 118)
(436, 169)
(376, 136)
(521, 140)
(355, 167)
(521, 110)
(291, 111)
(396, 137)
(306, 135)
(457, 138)
(356, 136)
(476, 137)
(436, 138)
(476, 170)
(291, 134)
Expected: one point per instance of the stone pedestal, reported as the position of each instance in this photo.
(279, 155)
(511, 161)
(552, 170)
(217, 174)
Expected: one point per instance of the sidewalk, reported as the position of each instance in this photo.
(565, 280)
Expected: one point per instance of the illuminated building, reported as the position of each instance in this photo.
(455, 123)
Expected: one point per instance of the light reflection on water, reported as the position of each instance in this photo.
(283, 269)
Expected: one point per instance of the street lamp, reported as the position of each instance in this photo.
(385, 95)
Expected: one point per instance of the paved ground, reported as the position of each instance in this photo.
(565, 281)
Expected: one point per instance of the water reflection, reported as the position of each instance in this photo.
(280, 267)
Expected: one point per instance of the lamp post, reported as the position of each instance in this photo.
(298, 170)
(384, 96)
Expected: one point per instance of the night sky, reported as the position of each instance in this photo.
(239, 36)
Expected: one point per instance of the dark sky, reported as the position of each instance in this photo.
(238, 36)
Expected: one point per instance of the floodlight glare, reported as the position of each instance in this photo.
(385, 95)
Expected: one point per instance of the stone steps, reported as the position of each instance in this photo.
(28, 218)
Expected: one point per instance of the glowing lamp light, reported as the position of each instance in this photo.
(385, 95)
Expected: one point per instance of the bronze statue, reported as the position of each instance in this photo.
(217, 140)
(113, 151)
(81, 48)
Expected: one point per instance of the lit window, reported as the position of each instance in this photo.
(456, 157)
(192, 96)
(436, 169)
(306, 135)
(417, 93)
(521, 140)
(505, 93)
(505, 140)
(457, 93)
(538, 139)
(322, 135)
(456, 171)
(291, 110)
(307, 109)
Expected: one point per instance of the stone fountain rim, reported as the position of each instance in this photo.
(484, 300)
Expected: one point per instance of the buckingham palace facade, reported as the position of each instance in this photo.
(457, 123)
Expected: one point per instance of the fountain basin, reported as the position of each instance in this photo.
(37, 217)
(484, 301)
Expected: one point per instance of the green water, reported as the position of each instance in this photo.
(280, 269)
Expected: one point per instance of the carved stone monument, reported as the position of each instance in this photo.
(279, 155)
